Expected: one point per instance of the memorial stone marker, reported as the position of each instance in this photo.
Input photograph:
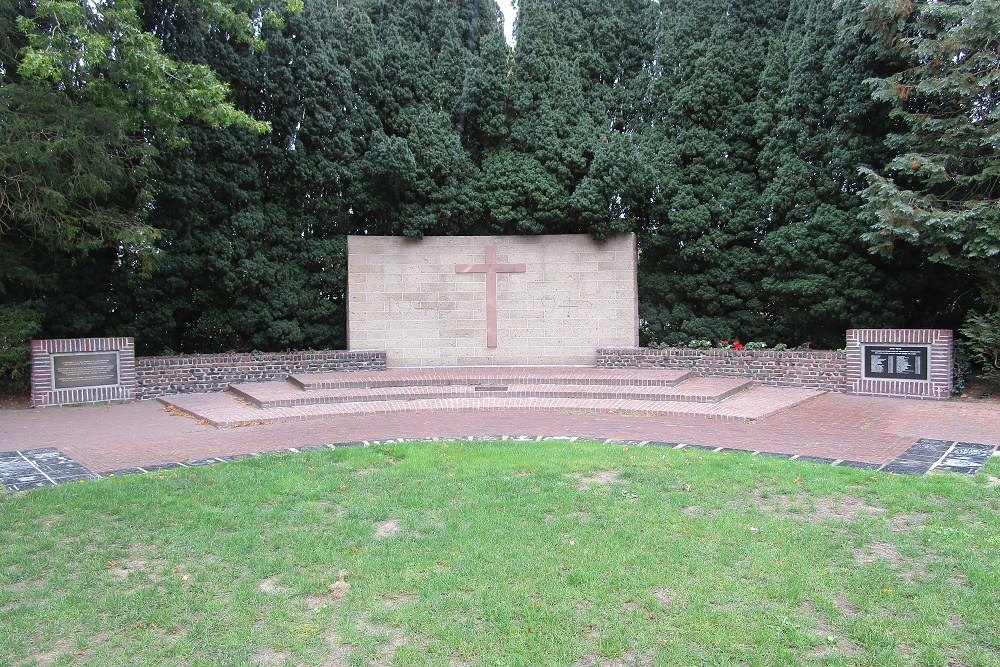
(900, 362)
(491, 300)
(82, 370)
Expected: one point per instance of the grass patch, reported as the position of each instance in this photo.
(504, 554)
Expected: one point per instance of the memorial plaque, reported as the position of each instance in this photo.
(84, 369)
(895, 362)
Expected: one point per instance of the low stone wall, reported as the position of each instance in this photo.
(814, 369)
(157, 376)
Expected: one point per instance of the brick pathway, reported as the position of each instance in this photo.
(835, 426)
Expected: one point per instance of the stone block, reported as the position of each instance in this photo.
(573, 295)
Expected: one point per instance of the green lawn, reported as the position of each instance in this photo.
(504, 554)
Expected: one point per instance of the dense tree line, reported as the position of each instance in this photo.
(746, 142)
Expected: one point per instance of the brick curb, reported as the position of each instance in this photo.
(37, 468)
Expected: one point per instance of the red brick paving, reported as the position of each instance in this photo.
(222, 409)
(833, 425)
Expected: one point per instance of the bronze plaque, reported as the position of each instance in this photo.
(84, 369)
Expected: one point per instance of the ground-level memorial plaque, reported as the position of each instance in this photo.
(900, 362)
(491, 300)
(82, 370)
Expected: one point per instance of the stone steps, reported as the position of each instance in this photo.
(225, 410)
(500, 375)
(576, 389)
(288, 394)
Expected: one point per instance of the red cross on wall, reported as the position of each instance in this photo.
(491, 269)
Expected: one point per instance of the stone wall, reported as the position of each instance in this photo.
(814, 369)
(428, 302)
(156, 376)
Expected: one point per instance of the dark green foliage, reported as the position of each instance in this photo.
(815, 123)
(370, 105)
(72, 183)
(700, 267)
(940, 191)
(252, 254)
(982, 333)
(18, 325)
(727, 134)
(72, 175)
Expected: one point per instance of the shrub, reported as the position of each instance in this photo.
(779, 347)
(982, 333)
(700, 344)
(962, 370)
(17, 325)
(756, 345)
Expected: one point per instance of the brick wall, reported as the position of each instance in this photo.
(940, 369)
(814, 369)
(43, 390)
(156, 376)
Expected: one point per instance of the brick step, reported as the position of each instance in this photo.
(497, 375)
(286, 394)
(223, 409)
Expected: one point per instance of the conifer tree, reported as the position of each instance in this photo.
(814, 129)
(699, 267)
(940, 191)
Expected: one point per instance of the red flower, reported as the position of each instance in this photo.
(737, 345)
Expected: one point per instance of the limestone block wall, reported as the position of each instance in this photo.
(409, 298)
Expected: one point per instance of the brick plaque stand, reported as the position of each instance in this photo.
(915, 363)
(82, 370)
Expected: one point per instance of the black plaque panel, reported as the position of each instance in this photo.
(84, 369)
(895, 362)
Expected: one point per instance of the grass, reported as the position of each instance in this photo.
(505, 554)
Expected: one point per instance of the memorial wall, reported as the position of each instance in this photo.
(491, 300)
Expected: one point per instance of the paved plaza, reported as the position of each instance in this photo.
(831, 426)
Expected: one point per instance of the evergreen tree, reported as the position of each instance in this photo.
(420, 172)
(699, 267)
(365, 104)
(941, 189)
(252, 252)
(816, 123)
(554, 125)
(727, 134)
(572, 162)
